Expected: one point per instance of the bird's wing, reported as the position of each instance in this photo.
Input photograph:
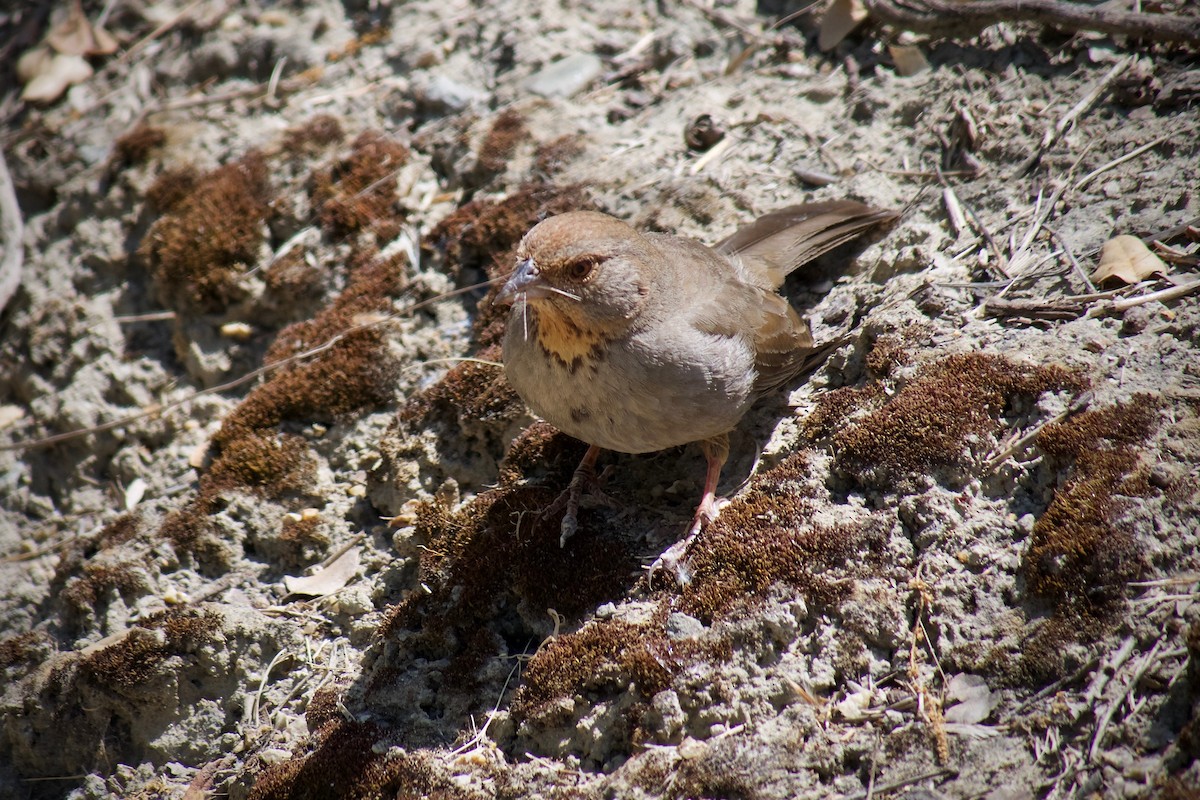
(781, 338)
(773, 246)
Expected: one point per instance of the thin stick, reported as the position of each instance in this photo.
(1046, 691)
(1132, 154)
(1079, 404)
(1080, 108)
(963, 20)
(1143, 667)
(149, 316)
(1126, 303)
(1075, 265)
(157, 32)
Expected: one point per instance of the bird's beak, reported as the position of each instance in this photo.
(527, 280)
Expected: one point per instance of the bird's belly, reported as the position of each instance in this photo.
(633, 398)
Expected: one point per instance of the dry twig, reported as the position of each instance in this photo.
(1148, 660)
(1081, 107)
(955, 18)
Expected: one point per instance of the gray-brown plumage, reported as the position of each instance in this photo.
(641, 341)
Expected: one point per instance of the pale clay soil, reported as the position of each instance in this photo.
(921, 660)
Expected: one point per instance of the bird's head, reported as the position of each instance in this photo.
(584, 268)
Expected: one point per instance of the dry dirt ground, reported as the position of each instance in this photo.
(962, 559)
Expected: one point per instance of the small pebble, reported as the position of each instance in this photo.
(565, 77)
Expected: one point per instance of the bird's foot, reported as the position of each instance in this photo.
(674, 560)
(572, 497)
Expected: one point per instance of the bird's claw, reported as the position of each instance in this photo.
(675, 559)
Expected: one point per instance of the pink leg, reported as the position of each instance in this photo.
(585, 475)
(674, 560)
(716, 450)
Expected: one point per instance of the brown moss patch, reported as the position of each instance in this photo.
(302, 540)
(266, 463)
(350, 761)
(172, 187)
(496, 550)
(1079, 556)
(837, 406)
(469, 392)
(293, 280)
(482, 234)
(927, 424)
(1043, 656)
(324, 707)
(356, 372)
(888, 352)
(23, 650)
(499, 144)
(73, 554)
(312, 135)
(84, 592)
(191, 530)
(552, 157)
(209, 235)
(358, 193)
(766, 537)
(541, 448)
(605, 658)
(137, 657)
(136, 145)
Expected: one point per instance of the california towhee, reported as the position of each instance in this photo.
(642, 341)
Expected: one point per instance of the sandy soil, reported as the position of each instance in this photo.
(962, 558)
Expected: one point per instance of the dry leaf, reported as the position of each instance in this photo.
(974, 700)
(34, 62)
(841, 18)
(74, 35)
(1126, 259)
(909, 59)
(327, 580)
(61, 71)
(856, 705)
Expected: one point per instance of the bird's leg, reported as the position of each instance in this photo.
(674, 560)
(585, 475)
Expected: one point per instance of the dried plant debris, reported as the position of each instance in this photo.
(59, 61)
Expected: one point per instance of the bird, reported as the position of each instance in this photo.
(641, 341)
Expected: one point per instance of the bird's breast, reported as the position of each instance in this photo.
(567, 341)
(633, 393)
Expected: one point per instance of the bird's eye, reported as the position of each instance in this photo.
(580, 269)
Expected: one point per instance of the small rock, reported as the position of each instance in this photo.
(448, 95)
(566, 76)
(681, 626)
